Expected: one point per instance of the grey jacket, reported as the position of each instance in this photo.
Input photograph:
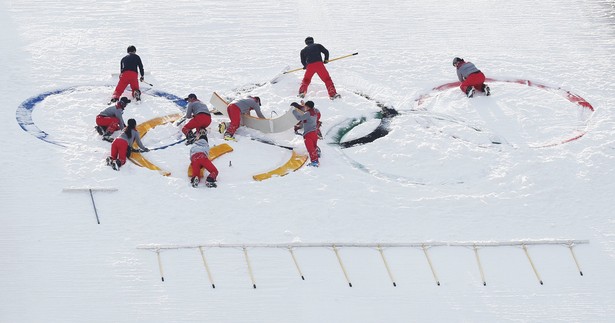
(114, 111)
(245, 105)
(195, 108)
(135, 137)
(309, 119)
(200, 146)
(465, 69)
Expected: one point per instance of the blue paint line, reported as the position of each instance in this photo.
(23, 114)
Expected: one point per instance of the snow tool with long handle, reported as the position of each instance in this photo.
(331, 60)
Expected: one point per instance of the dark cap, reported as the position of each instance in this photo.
(202, 134)
(132, 122)
(309, 104)
(257, 99)
(190, 96)
(124, 101)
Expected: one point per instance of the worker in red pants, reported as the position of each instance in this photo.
(310, 117)
(199, 158)
(313, 63)
(471, 78)
(199, 115)
(111, 119)
(122, 145)
(130, 65)
(236, 109)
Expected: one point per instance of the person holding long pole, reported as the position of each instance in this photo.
(313, 63)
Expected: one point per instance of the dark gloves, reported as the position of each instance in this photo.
(145, 150)
(296, 105)
(141, 79)
(326, 61)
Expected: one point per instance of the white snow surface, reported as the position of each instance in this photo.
(433, 179)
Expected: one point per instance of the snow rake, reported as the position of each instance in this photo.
(287, 69)
(331, 60)
(90, 190)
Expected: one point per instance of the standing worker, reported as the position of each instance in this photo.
(200, 117)
(310, 117)
(471, 78)
(313, 63)
(129, 74)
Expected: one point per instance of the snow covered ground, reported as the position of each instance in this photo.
(529, 163)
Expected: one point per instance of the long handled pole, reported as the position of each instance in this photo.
(331, 60)
(91, 191)
(292, 254)
(480, 267)
(386, 265)
(339, 259)
(245, 252)
(575, 259)
(207, 267)
(160, 264)
(431, 265)
(532, 264)
(180, 121)
(94, 205)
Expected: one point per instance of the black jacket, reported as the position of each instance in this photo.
(311, 53)
(131, 62)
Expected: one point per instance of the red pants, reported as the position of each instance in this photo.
(199, 121)
(234, 113)
(111, 123)
(476, 80)
(318, 68)
(127, 77)
(198, 161)
(311, 142)
(119, 148)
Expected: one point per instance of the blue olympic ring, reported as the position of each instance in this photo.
(23, 114)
